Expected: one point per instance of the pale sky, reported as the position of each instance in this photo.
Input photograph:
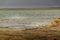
(29, 3)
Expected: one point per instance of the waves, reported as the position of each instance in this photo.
(23, 22)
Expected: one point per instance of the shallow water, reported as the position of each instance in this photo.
(23, 23)
(26, 19)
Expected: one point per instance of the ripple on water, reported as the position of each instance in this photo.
(23, 23)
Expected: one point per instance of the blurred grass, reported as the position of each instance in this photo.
(40, 33)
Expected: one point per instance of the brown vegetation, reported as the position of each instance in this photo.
(40, 33)
(50, 8)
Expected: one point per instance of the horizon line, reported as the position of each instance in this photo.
(48, 8)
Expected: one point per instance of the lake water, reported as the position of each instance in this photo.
(26, 19)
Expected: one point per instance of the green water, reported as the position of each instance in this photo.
(26, 18)
(29, 13)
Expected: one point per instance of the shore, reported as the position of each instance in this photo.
(39, 33)
(48, 8)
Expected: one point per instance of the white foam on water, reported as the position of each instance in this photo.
(14, 17)
(23, 22)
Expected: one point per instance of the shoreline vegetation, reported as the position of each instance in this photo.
(48, 32)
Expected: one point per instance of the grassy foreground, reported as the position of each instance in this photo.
(40, 33)
(49, 32)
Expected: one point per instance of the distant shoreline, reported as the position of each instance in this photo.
(52, 8)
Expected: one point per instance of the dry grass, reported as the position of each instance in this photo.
(40, 33)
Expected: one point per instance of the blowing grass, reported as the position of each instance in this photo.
(48, 32)
(40, 33)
